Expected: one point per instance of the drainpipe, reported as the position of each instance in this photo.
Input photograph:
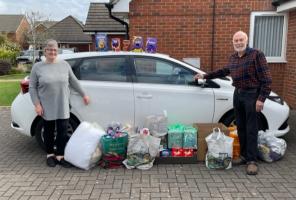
(110, 6)
(213, 34)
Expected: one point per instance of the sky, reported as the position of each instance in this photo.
(49, 9)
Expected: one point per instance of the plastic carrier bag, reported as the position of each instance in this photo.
(141, 152)
(157, 124)
(115, 145)
(270, 148)
(219, 155)
(82, 150)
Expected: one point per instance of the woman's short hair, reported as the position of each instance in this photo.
(51, 43)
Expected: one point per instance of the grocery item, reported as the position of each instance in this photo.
(115, 43)
(101, 42)
(151, 45)
(137, 45)
(236, 145)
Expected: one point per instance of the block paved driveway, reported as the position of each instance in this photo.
(24, 175)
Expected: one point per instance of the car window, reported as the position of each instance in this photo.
(104, 69)
(72, 62)
(158, 71)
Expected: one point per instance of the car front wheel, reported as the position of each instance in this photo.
(39, 131)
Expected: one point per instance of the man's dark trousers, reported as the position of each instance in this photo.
(244, 102)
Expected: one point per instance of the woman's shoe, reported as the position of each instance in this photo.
(64, 163)
(51, 161)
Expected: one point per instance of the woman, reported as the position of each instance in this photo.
(49, 91)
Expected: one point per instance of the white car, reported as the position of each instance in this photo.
(126, 87)
(28, 56)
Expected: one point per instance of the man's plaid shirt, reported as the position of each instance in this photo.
(248, 72)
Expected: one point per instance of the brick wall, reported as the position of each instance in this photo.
(185, 30)
(21, 31)
(290, 72)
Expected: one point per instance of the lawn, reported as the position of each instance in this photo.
(14, 76)
(8, 91)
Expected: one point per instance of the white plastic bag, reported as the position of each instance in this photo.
(82, 150)
(270, 148)
(141, 152)
(219, 155)
(157, 124)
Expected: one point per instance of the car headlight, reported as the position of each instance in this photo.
(276, 99)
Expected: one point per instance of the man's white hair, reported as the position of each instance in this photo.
(241, 33)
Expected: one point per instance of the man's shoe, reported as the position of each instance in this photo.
(252, 168)
(51, 161)
(240, 161)
(64, 163)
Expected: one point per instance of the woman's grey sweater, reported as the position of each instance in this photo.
(49, 86)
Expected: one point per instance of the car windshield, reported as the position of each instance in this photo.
(28, 53)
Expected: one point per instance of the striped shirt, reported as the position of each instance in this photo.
(248, 72)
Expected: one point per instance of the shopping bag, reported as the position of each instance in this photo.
(219, 155)
(270, 148)
(141, 152)
(82, 149)
(190, 137)
(115, 145)
(157, 124)
(175, 135)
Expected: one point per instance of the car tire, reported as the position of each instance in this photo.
(229, 120)
(73, 124)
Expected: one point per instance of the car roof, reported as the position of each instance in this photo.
(124, 53)
(109, 53)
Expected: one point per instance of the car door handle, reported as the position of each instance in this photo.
(222, 99)
(74, 93)
(144, 96)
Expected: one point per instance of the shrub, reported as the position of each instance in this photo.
(5, 67)
(8, 55)
(8, 50)
(16, 71)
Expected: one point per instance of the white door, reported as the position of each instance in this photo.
(164, 85)
(105, 80)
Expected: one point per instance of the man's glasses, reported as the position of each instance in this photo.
(53, 50)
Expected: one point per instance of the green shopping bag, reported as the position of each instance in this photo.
(175, 135)
(190, 137)
(117, 146)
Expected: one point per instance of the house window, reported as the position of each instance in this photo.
(268, 32)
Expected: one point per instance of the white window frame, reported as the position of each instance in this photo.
(279, 59)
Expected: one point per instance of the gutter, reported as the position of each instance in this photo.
(110, 7)
(278, 2)
(213, 34)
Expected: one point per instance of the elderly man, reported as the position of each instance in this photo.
(251, 79)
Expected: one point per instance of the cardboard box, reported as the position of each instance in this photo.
(204, 129)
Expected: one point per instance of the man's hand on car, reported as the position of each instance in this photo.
(198, 76)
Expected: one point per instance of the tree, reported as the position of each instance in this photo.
(36, 37)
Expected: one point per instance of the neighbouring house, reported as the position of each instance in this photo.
(69, 34)
(203, 29)
(98, 21)
(14, 27)
(40, 33)
(42, 26)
